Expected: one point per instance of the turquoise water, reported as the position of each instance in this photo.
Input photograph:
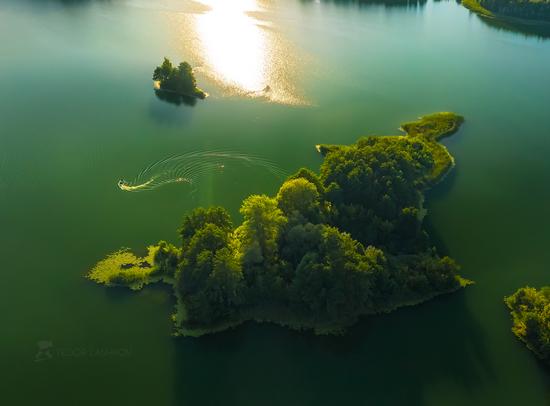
(78, 112)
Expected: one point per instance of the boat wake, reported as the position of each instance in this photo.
(188, 168)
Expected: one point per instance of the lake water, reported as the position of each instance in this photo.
(78, 112)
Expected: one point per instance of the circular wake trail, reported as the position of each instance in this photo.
(189, 167)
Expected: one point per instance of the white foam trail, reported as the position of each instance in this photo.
(188, 167)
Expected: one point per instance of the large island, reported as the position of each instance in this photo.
(326, 250)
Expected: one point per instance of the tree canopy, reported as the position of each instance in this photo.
(530, 309)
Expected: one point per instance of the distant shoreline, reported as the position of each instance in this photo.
(476, 7)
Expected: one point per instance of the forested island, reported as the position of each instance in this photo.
(530, 309)
(327, 249)
(179, 79)
(528, 10)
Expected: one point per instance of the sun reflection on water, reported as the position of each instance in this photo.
(236, 45)
(233, 44)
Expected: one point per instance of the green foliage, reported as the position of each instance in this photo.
(203, 216)
(428, 130)
(310, 176)
(434, 126)
(299, 200)
(537, 10)
(333, 280)
(259, 232)
(326, 250)
(123, 268)
(476, 7)
(163, 72)
(180, 79)
(165, 259)
(374, 186)
(209, 278)
(530, 309)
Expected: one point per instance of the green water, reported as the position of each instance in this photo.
(78, 112)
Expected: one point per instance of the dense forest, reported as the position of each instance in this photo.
(530, 309)
(325, 250)
(177, 79)
(536, 10)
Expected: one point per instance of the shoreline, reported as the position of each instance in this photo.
(201, 96)
(475, 7)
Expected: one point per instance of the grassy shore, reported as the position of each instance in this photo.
(530, 13)
(473, 5)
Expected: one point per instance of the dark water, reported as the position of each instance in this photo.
(78, 112)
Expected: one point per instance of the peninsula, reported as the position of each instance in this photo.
(528, 11)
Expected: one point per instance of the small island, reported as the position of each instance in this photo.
(526, 11)
(327, 249)
(530, 310)
(178, 80)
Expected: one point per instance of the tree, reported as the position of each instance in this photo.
(165, 259)
(375, 186)
(299, 199)
(260, 229)
(333, 282)
(180, 80)
(164, 71)
(257, 243)
(298, 240)
(200, 217)
(186, 82)
(209, 278)
(225, 283)
(530, 309)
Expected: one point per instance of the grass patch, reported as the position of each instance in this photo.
(124, 268)
(476, 7)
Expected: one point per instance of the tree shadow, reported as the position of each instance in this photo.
(527, 28)
(171, 109)
(385, 3)
(121, 294)
(441, 189)
(541, 31)
(175, 98)
(387, 359)
(68, 3)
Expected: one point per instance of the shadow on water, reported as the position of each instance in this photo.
(67, 3)
(171, 109)
(526, 28)
(362, 3)
(176, 99)
(541, 31)
(442, 189)
(389, 359)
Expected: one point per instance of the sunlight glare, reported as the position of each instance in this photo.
(233, 44)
